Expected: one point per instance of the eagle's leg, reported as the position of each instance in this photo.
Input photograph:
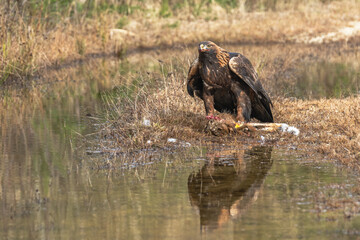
(208, 98)
(243, 105)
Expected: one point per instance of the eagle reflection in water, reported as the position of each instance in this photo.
(225, 186)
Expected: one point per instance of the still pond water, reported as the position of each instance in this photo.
(50, 190)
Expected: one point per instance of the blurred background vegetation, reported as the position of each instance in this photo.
(35, 34)
(50, 11)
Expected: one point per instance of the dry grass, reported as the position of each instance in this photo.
(328, 126)
(31, 45)
(240, 26)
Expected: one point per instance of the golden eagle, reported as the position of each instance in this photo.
(227, 81)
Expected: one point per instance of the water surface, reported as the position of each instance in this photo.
(255, 192)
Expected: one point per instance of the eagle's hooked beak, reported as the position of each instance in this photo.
(203, 48)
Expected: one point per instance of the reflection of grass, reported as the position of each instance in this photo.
(54, 115)
(326, 79)
(41, 132)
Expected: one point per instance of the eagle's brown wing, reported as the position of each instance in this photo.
(223, 99)
(194, 81)
(260, 100)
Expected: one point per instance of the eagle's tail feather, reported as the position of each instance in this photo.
(190, 90)
(263, 112)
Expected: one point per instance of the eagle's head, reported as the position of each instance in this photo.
(208, 47)
(209, 51)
